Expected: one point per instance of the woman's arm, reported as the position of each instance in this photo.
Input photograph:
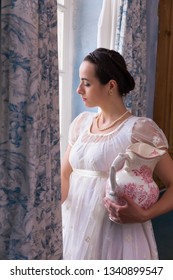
(66, 170)
(132, 213)
(164, 170)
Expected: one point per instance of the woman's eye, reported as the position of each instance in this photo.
(87, 84)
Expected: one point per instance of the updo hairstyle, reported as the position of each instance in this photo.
(110, 65)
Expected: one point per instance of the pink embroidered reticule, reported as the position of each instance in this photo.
(131, 173)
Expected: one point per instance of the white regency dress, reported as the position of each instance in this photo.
(88, 234)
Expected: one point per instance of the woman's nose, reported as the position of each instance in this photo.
(79, 89)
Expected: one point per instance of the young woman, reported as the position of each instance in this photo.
(95, 139)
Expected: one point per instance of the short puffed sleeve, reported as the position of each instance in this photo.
(76, 127)
(147, 131)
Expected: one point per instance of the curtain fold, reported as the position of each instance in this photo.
(131, 42)
(30, 209)
(107, 24)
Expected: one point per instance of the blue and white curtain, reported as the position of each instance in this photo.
(131, 42)
(30, 210)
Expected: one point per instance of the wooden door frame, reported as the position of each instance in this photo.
(163, 101)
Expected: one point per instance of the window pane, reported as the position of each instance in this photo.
(60, 38)
(61, 2)
(60, 100)
(60, 86)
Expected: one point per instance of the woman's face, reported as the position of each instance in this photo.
(93, 93)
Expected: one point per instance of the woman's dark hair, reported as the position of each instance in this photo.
(110, 65)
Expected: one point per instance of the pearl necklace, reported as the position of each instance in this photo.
(112, 124)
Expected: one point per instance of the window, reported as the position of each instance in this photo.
(65, 39)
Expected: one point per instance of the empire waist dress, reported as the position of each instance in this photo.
(88, 234)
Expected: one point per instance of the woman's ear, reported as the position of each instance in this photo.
(112, 84)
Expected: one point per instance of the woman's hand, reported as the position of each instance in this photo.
(128, 213)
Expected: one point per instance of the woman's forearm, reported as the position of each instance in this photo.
(64, 189)
(164, 204)
(66, 170)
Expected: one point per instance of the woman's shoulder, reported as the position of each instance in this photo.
(146, 130)
(87, 114)
(79, 124)
(84, 117)
(134, 120)
(141, 123)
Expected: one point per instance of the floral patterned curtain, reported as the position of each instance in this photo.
(131, 42)
(30, 211)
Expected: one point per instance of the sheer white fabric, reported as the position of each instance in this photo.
(107, 24)
(87, 231)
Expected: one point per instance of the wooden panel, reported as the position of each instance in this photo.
(163, 103)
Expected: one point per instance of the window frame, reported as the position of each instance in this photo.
(65, 90)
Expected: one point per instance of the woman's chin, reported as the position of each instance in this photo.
(87, 104)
